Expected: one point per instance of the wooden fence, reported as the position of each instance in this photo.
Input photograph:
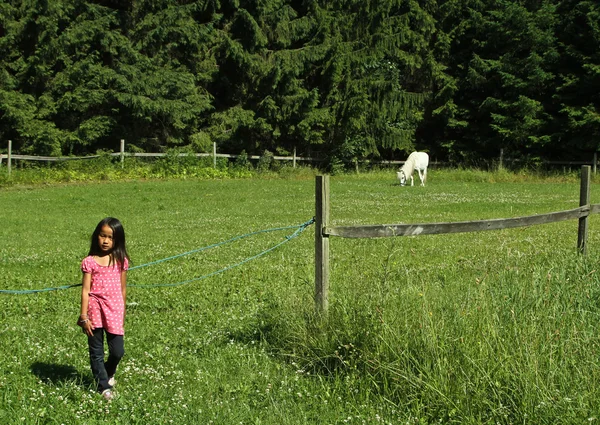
(323, 230)
(294, 158)
(122, 154)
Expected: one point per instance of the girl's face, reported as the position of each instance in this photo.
(105, 239)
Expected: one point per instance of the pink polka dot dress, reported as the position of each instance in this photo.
(106, 308)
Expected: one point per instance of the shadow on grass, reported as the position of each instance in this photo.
(265, 326)
(55, 374)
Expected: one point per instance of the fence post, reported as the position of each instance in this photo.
(294, 158)
(500, 164)
(9, 156)
(595, 161)
(584, 199)
(122, 152)
(215, 155)
(321, 244)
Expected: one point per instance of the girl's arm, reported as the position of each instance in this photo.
(84, 321)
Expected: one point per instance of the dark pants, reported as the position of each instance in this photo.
(103, 370)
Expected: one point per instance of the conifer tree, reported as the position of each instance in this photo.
(30, 53)
(520, 105)
(76, 78)
(344, 78)
(578, 88)
(500, 80)
(351, 79)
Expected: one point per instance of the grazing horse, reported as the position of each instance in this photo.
(416, 161)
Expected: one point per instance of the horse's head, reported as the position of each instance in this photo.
(401, 177)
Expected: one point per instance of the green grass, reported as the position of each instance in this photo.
(490, 327)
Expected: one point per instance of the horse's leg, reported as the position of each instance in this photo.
(424, 176)
(412, 180)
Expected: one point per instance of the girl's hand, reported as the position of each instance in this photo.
(86, 325)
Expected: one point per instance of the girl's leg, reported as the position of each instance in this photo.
(96, 346)
(116, 351)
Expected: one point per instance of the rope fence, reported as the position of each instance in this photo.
(299, 229)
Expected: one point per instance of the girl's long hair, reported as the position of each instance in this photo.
(119, 251)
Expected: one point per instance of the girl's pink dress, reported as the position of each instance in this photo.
(106, 307)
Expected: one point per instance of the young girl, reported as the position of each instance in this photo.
(103, 300)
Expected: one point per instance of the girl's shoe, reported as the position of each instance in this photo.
(111, 381)
(108, 394)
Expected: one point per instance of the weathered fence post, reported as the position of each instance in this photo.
(215, 155)
(122, 153)
(321, 244)
(584, 199)
(294, 158)
(9, 159)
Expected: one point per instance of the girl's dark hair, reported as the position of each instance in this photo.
(119, 251)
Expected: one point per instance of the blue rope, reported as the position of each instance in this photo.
(274, 229)
(299, 229)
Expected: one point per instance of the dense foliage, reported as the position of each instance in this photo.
(346, 79)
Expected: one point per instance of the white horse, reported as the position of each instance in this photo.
(416, 161)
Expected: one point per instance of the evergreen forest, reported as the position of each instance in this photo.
(344, 79)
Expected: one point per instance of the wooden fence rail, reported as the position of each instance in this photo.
(122, 155)
(388, 230)
(148, 155)
(323, 230)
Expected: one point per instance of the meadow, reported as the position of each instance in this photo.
(494, 327)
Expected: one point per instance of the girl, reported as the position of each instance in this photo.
(103, 300)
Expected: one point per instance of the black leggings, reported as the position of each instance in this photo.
(104, 370)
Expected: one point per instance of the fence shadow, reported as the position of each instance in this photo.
(55, 374)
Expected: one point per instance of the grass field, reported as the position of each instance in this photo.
(495, 327)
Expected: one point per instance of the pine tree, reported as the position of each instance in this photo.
(344, 78)
(578, 91)
(78, 76)
(377, 72)
(497, 93)
(520, 109)
(30, 53)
